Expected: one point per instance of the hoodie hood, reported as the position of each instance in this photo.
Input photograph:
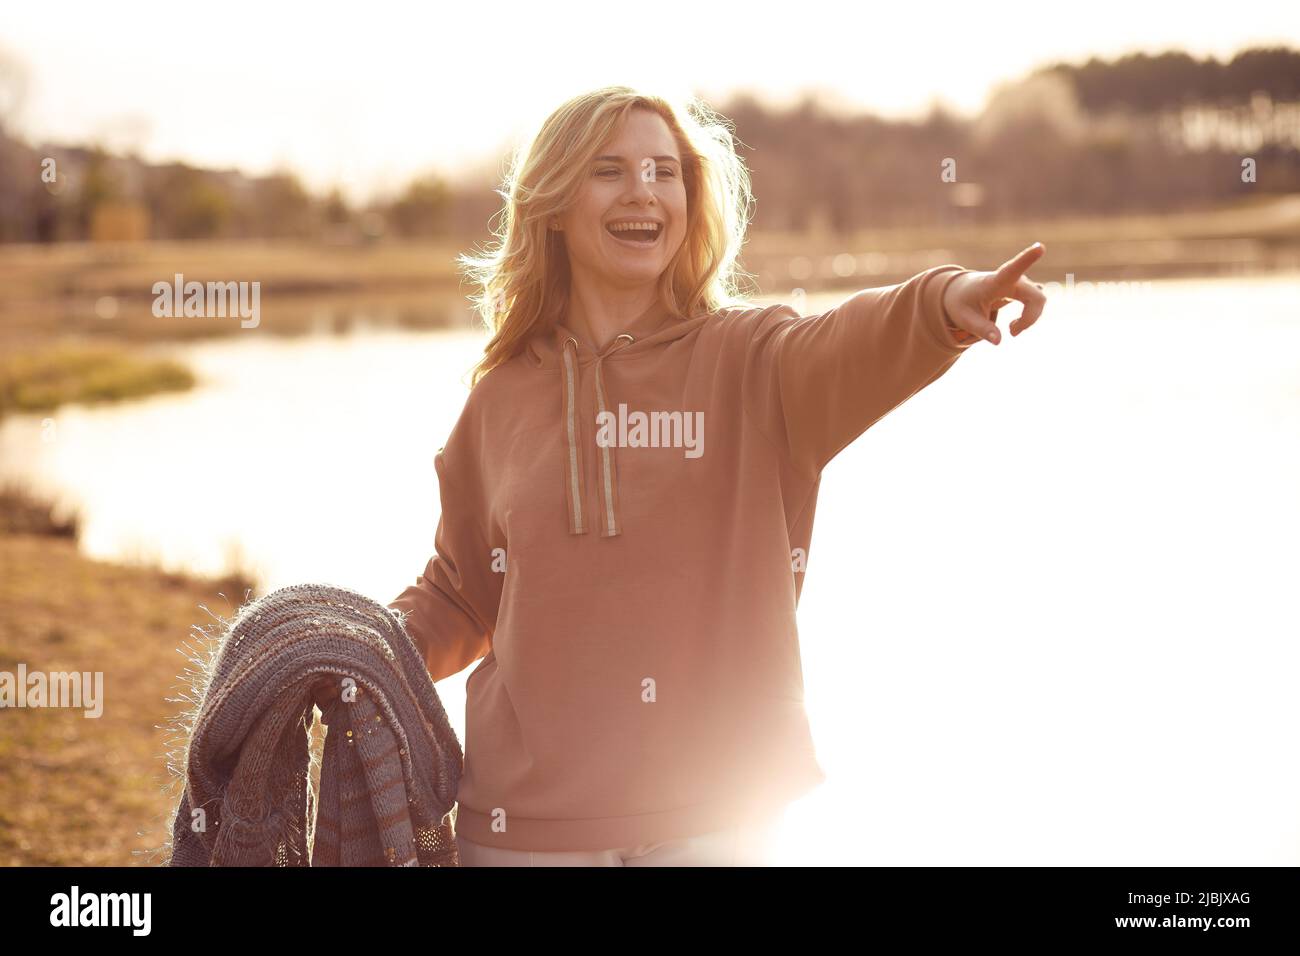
(562, 348)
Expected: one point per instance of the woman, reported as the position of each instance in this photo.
(628, 496)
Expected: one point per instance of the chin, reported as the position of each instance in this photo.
(639, 275)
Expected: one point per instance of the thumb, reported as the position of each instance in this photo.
(978, 324)
(984, 323)
(989, 328)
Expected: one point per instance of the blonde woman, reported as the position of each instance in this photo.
(628, 495)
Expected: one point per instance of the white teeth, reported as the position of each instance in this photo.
(627, 226)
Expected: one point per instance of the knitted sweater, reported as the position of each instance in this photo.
(624, 532)
(391, 761)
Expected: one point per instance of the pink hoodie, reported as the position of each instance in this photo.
(643, 683)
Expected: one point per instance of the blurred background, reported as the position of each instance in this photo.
(1048, 617)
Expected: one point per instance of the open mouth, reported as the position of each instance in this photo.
(644, 235)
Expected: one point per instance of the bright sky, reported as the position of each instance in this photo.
(366, 97)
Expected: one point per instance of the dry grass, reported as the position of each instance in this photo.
(96, 791)
(126, 269)
(46, 376)
(23, 512)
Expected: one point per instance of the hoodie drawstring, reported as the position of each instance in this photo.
(575, 486)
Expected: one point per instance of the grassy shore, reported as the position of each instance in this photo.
(42, 377)
(104, 291)
(85, 790)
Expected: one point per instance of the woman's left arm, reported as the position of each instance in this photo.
(813, 384)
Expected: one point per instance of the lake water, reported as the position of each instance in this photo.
(1049, 615)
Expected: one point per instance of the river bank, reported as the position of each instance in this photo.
(93, 791)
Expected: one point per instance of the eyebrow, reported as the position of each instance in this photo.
(619, 159)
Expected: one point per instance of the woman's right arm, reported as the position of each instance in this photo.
(444, 610)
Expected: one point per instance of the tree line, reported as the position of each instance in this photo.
(1138, 133)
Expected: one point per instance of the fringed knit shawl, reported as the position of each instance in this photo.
(391, 764)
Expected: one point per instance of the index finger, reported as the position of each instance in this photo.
(1009, 272)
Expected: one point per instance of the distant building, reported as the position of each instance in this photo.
(119, 221)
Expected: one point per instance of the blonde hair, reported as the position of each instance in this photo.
(523, 279)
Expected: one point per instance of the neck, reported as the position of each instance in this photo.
(600, 314)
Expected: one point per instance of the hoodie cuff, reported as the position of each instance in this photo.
(950, 339)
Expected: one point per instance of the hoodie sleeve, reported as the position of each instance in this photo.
(444, 610)
(814, 384)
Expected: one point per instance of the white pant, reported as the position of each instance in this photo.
(746, 845)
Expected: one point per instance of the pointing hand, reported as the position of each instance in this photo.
(972, 299)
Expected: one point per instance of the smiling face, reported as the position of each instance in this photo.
(636, 178)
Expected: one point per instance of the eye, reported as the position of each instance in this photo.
(665, 169)
(609, 169)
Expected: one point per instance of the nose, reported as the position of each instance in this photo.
(640, 189)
